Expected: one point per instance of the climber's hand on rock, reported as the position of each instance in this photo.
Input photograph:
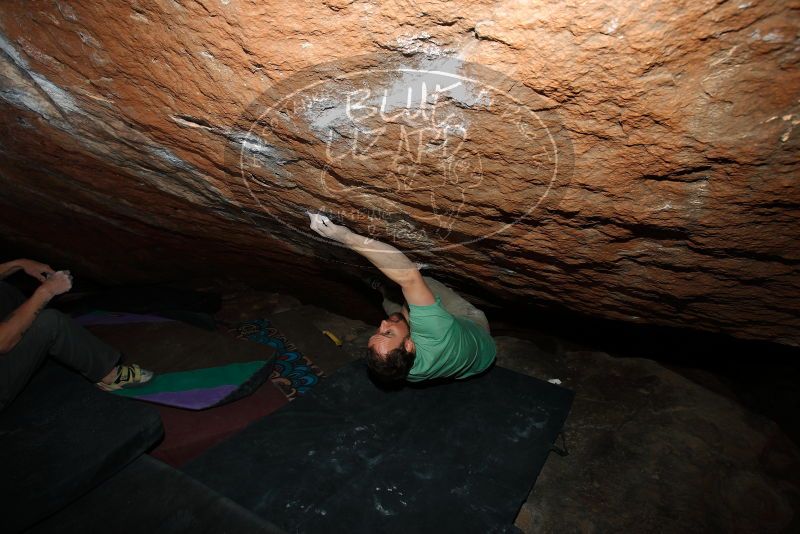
(324, 227)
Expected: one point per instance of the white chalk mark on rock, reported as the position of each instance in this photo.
(611, 26)
(139, 17)
(67, 12)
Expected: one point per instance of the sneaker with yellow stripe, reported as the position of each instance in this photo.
(127, 376)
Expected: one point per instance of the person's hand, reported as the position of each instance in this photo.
(324, 227)
(57, 283)
(40, 271)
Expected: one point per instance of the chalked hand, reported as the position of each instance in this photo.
(57, 283)
(324, 227)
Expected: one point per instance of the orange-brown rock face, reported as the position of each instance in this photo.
(637, 163)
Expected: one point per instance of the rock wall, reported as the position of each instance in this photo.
(636, 162)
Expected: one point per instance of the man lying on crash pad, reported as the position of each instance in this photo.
(438, 335)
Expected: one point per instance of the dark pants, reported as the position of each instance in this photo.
(51, 334)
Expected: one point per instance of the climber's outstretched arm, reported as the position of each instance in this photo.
(395, 265)
(391, 262)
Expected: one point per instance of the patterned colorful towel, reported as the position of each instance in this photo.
(202, 388)
(293, 372)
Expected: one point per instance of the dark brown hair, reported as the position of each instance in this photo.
(390, 368)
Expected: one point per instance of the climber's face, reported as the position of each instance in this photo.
(391, 334)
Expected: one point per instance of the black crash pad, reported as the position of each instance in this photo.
(61, 437)
(349, 457)
(150, 497)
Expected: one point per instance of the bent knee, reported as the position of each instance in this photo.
(49, 319)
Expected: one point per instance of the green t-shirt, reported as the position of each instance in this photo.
(447, 346)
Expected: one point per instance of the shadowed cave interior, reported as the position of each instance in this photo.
(614, 187)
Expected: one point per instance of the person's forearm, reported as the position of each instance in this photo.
(12, 329)
(391, 262)
(8, 268)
